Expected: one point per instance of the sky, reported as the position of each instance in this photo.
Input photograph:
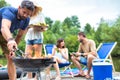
(88, 11)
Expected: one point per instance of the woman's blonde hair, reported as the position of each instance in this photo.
(36, 11)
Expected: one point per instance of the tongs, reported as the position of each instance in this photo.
(18, 52)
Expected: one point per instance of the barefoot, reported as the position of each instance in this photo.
(88, 76)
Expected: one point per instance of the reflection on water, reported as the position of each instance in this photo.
(116, 61)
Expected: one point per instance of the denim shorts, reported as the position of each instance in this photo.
(35, 41)
(83, 60)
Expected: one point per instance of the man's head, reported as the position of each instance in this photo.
(25, 9)
(81, 36)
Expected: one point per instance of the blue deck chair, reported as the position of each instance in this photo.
(48, 50)
(104, 50)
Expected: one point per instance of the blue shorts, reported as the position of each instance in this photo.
(83, 60)
(35, 41)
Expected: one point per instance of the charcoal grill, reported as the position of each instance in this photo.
(32, 65)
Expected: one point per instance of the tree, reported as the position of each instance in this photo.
(72, 43)
(49, 21)
(75, 21)
(67, 22)
(3, 3)
(87, 28)
(72, 21)
(49, 37)
(56, 27)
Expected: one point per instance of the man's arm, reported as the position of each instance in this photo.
(5, 29)
(19, 35)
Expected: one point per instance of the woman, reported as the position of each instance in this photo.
(60, 51)
(34, 36)
(60, 54)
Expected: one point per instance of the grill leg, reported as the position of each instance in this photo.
(22, 75)
(39, 76)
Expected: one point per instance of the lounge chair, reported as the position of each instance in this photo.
(104, 51)
(48, 50)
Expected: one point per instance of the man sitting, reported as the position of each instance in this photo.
(86, 53)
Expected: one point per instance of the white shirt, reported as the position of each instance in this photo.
(31, 34)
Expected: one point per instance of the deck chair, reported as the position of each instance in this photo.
(104, 51)
(48, 50)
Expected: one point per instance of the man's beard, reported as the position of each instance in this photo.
(81, 40)
(21, 17)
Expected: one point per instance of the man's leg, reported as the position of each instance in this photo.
(10, 65)
(77, 63)
(89, 64)
(11, 68)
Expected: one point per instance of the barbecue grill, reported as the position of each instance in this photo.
(32, 65)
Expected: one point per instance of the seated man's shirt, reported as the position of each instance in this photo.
(87, 47)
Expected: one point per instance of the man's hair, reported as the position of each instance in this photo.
(82, 34)
(27, 4)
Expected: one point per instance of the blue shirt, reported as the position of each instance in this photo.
(10, 13)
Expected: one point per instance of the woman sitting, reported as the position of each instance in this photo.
(60, 54)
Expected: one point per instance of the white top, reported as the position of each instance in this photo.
(31, 34)
(58, 55)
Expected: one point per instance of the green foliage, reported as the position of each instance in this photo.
(3, 3)
(22, 45)
(87, 28)
(49, 22)
(71, 22)
(72, 43)
(75, 21)
(67, 22)
(49, 37)
(56, 27)
(108, 33)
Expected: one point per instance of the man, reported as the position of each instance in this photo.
(86, 53)
(12, 19)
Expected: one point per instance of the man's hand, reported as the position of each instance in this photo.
(12, 54)
(78, 54)
(11, 45)
(75, 54)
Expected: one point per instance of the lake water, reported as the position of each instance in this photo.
(116, 61)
